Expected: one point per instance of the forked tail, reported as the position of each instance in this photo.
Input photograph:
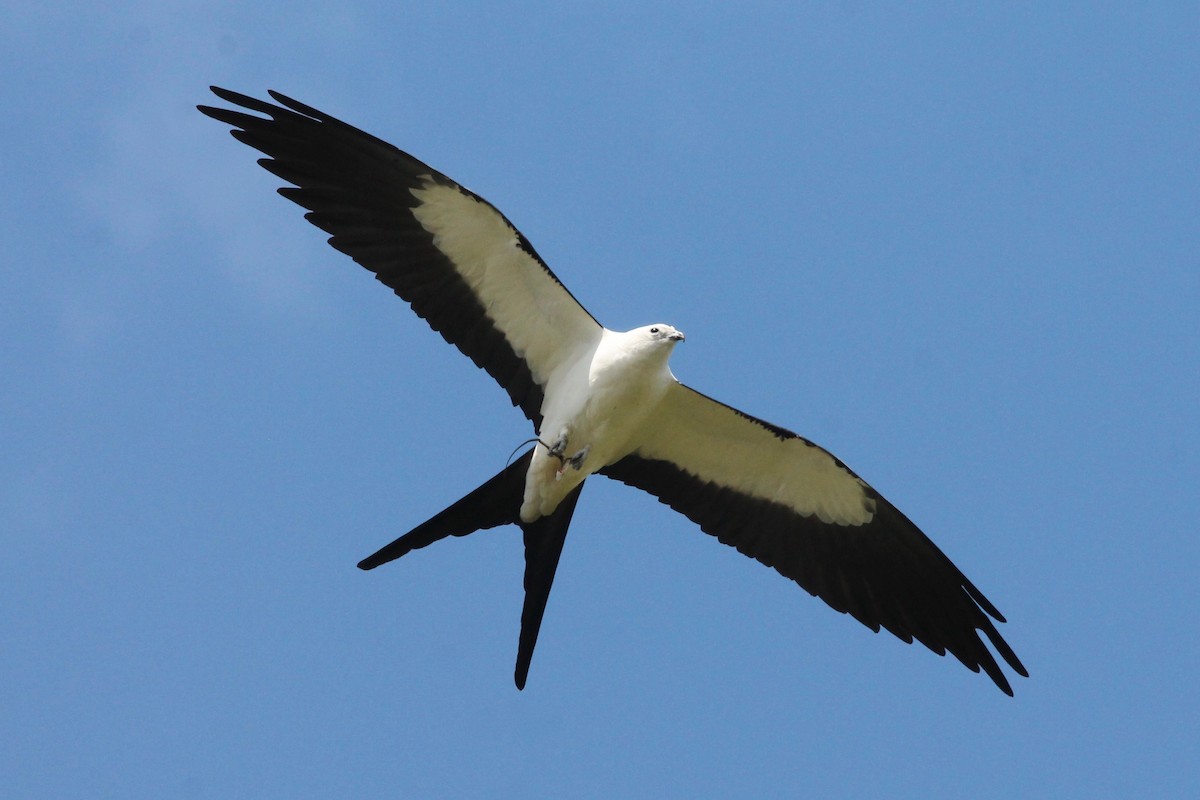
(498, 502)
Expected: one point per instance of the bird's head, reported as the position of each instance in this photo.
(658, 341)
(662, 332)
(648, 344)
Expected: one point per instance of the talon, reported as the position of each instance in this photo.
(556, 449)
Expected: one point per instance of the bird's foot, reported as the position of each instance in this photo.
(559, 447)
(559, 450)
(574, 462)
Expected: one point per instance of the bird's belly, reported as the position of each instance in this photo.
(604, 422)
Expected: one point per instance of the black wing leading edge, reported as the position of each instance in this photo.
(360, 190)
(791, 505)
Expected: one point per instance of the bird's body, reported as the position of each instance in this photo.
(595, 410)
(605, 402)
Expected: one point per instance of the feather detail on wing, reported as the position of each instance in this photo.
(791, 505)
(450, 254)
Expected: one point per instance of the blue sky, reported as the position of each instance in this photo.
(958, 247)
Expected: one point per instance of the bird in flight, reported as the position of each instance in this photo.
(604, 402)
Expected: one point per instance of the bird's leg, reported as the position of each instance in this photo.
(576, 460)
(560, 445)
(558, 450)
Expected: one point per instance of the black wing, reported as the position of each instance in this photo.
(789, 504)
(450, 254)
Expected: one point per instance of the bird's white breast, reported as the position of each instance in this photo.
(600, 402)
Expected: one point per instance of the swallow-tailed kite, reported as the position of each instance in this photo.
(604, 402)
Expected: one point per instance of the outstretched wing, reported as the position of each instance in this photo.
(789, 504)
(449, 253)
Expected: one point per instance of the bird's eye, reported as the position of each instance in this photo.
(654, 330)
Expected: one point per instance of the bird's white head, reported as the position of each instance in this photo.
(649, 344)
(661, 332)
